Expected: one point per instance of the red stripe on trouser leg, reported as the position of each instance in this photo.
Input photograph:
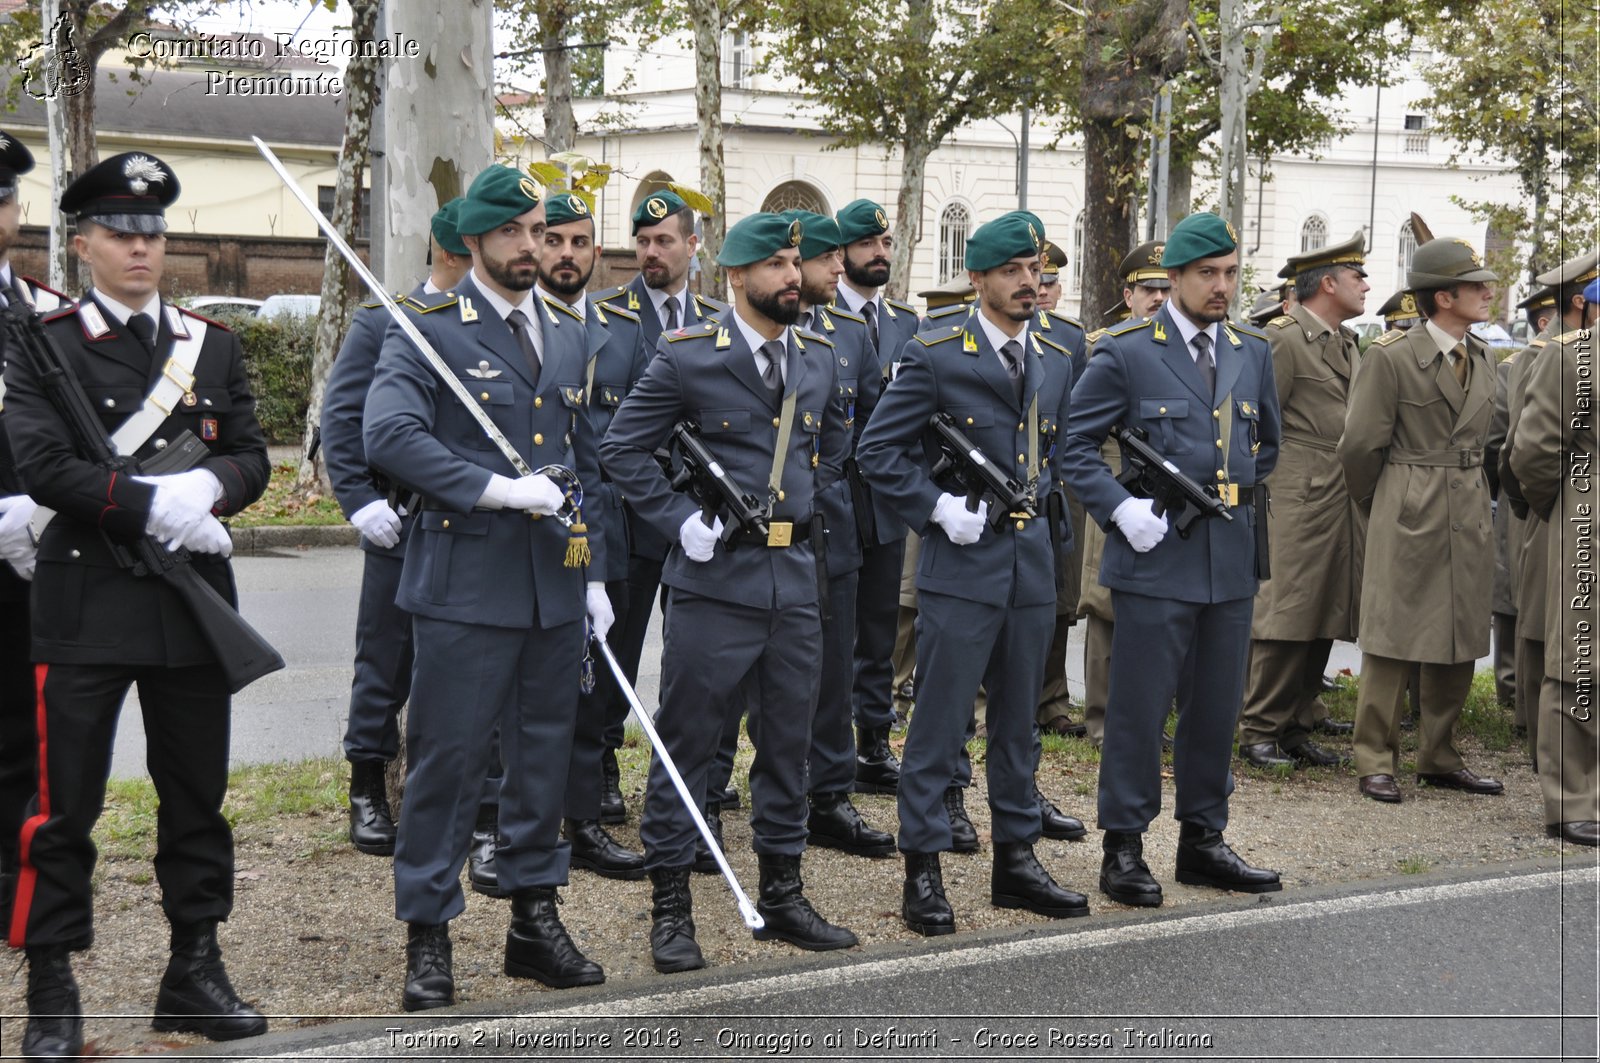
(27, 876)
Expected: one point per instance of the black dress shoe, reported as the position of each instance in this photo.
(1204, 859)
(963, 835)
(877, 768)
(1329, 684)
(593, 849)
(1310, 755)
(1056, 824)
(195, 994)
(612, 808)
(1264, 755)
(481, 870)
(1064, 725)
(1579, 832)
(1020, 881)
(704, 862)
(1124, 876)
(788, 914)
(729, 797)
(1329, 726)
(55, 1015)
(835, 823)
(1463, 779)
(429, 980)
(672, 944)
(1380, 788)
(538, 946)
(372, 828)
(923, 904)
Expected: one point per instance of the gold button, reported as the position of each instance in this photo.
(1217, 414)
(536, 516)
(725, 424)
(538, 439)
(780, 496)
(1219, 444)
(484, 396)
(1021, 458)
(1019, 426)
(775, 422)
(1221, 475)
(969, 420)
(1163, 409)
(445, 524)
(1019, 525)
(538, 401)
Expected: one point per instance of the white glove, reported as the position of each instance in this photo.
(16, 538)
(963, 528)
(699, 541)
(1138, 521)
(377, 523)
(207, 537)
(598, 604)
(25, 567)
(534, 493)
(182, 501)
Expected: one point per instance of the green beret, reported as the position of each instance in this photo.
(1203, 235)
(861, 219)
(759, 237)
(497, 195)
(821, 233)
(1444, 263)
(1007, 237)
(657, 208)
(564, 207)
(1032, 219)
(444, 227)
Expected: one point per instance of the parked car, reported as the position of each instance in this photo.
(290, 306)
(1367, 328)
(1498, 339)
(211, 305)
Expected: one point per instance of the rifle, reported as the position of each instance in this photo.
(708, 483)
(1147, 474)
(976, 475)
(242, 652)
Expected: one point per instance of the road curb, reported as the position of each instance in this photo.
(292, 537)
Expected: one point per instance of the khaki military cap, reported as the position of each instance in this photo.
(1143, 266)
(1572, 271)
(1350, 253)
(1445, 262)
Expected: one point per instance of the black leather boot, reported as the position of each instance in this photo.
(596, 850)
(704, 862)
(834, 823)
(55, 1015)
(195, 994)
(372, 828)
(481, 871)
(612, 810)
(1204, 859)
(1020, 881)
(537, 945)
(877, 768)
(789, 916)
(672, 944)
(963, 835)
(1056, 824)
(924, 906)
(429, 980)
(1124, 877)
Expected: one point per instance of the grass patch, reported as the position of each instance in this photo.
(1413, 865)
(280, 504)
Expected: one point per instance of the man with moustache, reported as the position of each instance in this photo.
(764, 396)
(382, 679)
(614, 362)
(1203, 391)
(986, 590)
(868, 244)
(498, 600)
(665, 244)
(1412, 452)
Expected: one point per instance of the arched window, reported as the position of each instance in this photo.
(1314, 233)
(1077, 253)
(795, 195)
(955, 223)
(1408, 246)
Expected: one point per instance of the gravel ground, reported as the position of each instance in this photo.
(313, 935)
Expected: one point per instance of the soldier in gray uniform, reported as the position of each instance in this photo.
(497, 590)
(986, 589)
(764, 397)
(382, 679)
(1203, 391)
(614, 361)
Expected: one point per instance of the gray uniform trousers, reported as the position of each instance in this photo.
(833, 745)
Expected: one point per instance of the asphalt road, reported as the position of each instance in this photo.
(1496, 965)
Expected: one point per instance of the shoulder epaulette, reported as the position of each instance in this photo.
(1282, 321)
(713, 305)
(1074, 322)
(399, 297)
(623, 312)
(928, 339)
(65, 311)
(946, 311)
(848, 315)
(1576, 333)
(801, 334)
(1538, 343)
(566, 308)
(696, 332)
(1122, 328)
(1095, 335)
(1392, 336)
(1248, 330)
(213, 322)
(427, 304)
(40, 286)
(898, 305)
(607, 294)
(1048, 342)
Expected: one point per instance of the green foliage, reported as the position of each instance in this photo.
(283, 504)
(277, 355)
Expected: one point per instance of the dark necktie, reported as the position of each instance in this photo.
(143, 327)
(1461, 366)
(519, 328)
(1011, 357)
(871, 311)
(671, 307)
(1202, 361)
(772, 375)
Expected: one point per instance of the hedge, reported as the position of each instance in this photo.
(277, 355)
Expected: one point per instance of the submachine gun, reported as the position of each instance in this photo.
(698, 473)
(1147, 474)
(979, 479)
